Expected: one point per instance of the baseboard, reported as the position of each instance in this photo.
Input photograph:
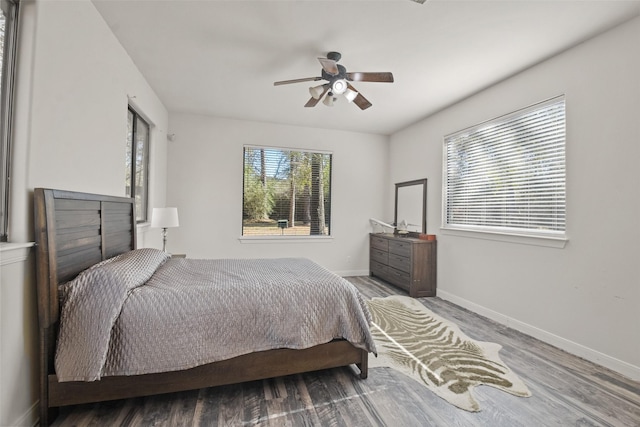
(348, 273)
(624, 368)
(30, 418)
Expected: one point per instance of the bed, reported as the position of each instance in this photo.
(80, 233)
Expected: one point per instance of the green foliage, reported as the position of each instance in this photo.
(258, 198)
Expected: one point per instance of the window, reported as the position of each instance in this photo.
(286, 192)
(508, 175)
(8, 35)
(137, 163)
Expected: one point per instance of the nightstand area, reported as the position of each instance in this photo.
(406, 262)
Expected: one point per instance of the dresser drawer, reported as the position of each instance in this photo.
(380, 256)
(402, 263)
(399, 278)
(399, 247)
(378, 269)
(379, 243)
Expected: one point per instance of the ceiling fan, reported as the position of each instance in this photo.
(338, 83)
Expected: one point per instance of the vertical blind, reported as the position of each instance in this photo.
(508, 174)
(286, 192)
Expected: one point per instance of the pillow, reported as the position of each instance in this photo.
(132, 269)
(135, 267)
(92, 304)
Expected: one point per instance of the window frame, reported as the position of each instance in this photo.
(6, 110)
(141, 217)
(554, 238)
(253, 238)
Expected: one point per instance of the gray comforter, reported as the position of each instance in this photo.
(142, 312)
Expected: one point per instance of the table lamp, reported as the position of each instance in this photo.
(164, 218)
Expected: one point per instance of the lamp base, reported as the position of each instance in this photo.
(164, 239)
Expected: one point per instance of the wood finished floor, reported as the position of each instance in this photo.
(567, 391)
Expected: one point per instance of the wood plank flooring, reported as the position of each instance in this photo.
(567, 391)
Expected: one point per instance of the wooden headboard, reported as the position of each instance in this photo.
(74, 231)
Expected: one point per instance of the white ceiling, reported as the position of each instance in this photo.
(221, 58)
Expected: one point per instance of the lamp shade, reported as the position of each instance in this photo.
(328, 100)
(317, 91)
(164, 217)
(350, 95)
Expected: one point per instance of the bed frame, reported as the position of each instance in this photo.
(76, 230)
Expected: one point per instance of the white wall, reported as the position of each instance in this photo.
(205, 183)
(585, 297)
(73, 83)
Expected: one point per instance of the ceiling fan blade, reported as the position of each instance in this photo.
(370, 77)
(360, 100)
(329, 65)
(312, 102)
(306, 79)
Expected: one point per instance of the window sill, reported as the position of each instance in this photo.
(285, 239)
(557, 242)
(12, 253)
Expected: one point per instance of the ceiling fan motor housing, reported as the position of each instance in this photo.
(342, 74)
(334, 56)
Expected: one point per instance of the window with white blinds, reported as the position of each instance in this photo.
(508, 175)
(286, 192)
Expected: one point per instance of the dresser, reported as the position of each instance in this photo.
(406, 262)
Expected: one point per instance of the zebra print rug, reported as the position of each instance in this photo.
(434, 352)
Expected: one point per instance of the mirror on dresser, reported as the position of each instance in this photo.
(411, 205)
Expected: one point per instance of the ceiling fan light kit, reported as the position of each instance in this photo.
(339, 79)
(339, 86)
(317, 91)
(350, 94)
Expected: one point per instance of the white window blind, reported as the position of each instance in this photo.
(286, 192)
(508, 175)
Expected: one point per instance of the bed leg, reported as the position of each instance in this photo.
(47, 415)
(364, 365)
